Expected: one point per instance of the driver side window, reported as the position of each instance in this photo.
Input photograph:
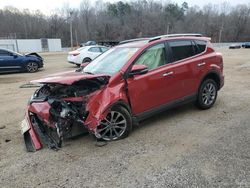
(153, 57)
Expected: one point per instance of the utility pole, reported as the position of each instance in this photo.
(220, 34)
(168, 28)
(17, 49)
(71, 29)
(76, 38)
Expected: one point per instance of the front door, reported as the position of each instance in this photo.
(155, 88)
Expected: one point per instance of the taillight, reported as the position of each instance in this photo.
(75, 54)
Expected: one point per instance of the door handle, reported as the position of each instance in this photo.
(168, 73)
(201, 64)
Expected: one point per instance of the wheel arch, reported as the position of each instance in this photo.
(123, 104)
(214, 76)
(86, 58)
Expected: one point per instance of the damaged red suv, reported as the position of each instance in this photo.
(128, 83)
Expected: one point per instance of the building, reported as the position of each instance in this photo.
(32, 45)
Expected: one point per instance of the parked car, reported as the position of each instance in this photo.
(234, 46)
(246, 45)
(11, 61)
(85, 54)
(128, 83)
(89, 43)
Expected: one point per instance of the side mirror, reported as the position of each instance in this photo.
(138, 70)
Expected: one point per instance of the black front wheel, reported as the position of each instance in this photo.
(86, 60)
(31, 67)
(207, 94)
(116, 125)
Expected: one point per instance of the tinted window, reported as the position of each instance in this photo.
(94, 49)
(153, 57)
(201, 44)
(104, 49)
(181, 49)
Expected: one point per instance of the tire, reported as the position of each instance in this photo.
(85, 60)
(116, 125)
(207, 94)
(31, 67)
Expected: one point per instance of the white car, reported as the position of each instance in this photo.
(85, 54)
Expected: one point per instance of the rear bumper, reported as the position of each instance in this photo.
(73, 60)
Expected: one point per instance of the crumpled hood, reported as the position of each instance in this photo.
(67, 78)
(34, 55)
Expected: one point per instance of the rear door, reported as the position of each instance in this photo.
(185, 64)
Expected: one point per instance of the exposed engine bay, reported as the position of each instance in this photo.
(58, 111)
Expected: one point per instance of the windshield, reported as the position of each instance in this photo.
(110, 62)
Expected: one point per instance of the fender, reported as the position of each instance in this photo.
(214, 73)
(98, 105)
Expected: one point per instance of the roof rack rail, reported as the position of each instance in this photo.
(176, 35)
(133, 40)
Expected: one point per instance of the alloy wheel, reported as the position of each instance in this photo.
(209, 94)
(32, 67)
(113, 126)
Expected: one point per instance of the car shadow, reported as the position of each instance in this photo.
(167, 114)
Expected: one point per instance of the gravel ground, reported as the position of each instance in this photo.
(183, 147)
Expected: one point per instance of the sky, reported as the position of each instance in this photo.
(46, 6)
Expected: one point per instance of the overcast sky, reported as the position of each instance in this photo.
(48, 5)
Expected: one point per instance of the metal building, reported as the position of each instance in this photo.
(32, 45)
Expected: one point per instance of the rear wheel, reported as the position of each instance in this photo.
(116, 125)
(86, 60)
(207, 94)
(31, 67)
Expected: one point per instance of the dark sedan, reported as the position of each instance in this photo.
(14, 62)
(246, 45)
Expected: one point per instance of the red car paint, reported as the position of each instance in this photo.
(140, 92)
(67, 78)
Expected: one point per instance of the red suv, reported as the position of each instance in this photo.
(128, 83)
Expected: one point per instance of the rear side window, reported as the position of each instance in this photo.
(104, 49)
(201, 44)
(181, 49)
(94, 49)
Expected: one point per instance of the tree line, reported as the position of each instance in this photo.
(125, 20)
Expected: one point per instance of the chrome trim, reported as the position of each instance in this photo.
(10, 67)
(168, 73)
(201, 64)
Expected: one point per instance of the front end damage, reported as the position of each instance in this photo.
(60, 110)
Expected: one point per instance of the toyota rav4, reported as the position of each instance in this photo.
(128, 83)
